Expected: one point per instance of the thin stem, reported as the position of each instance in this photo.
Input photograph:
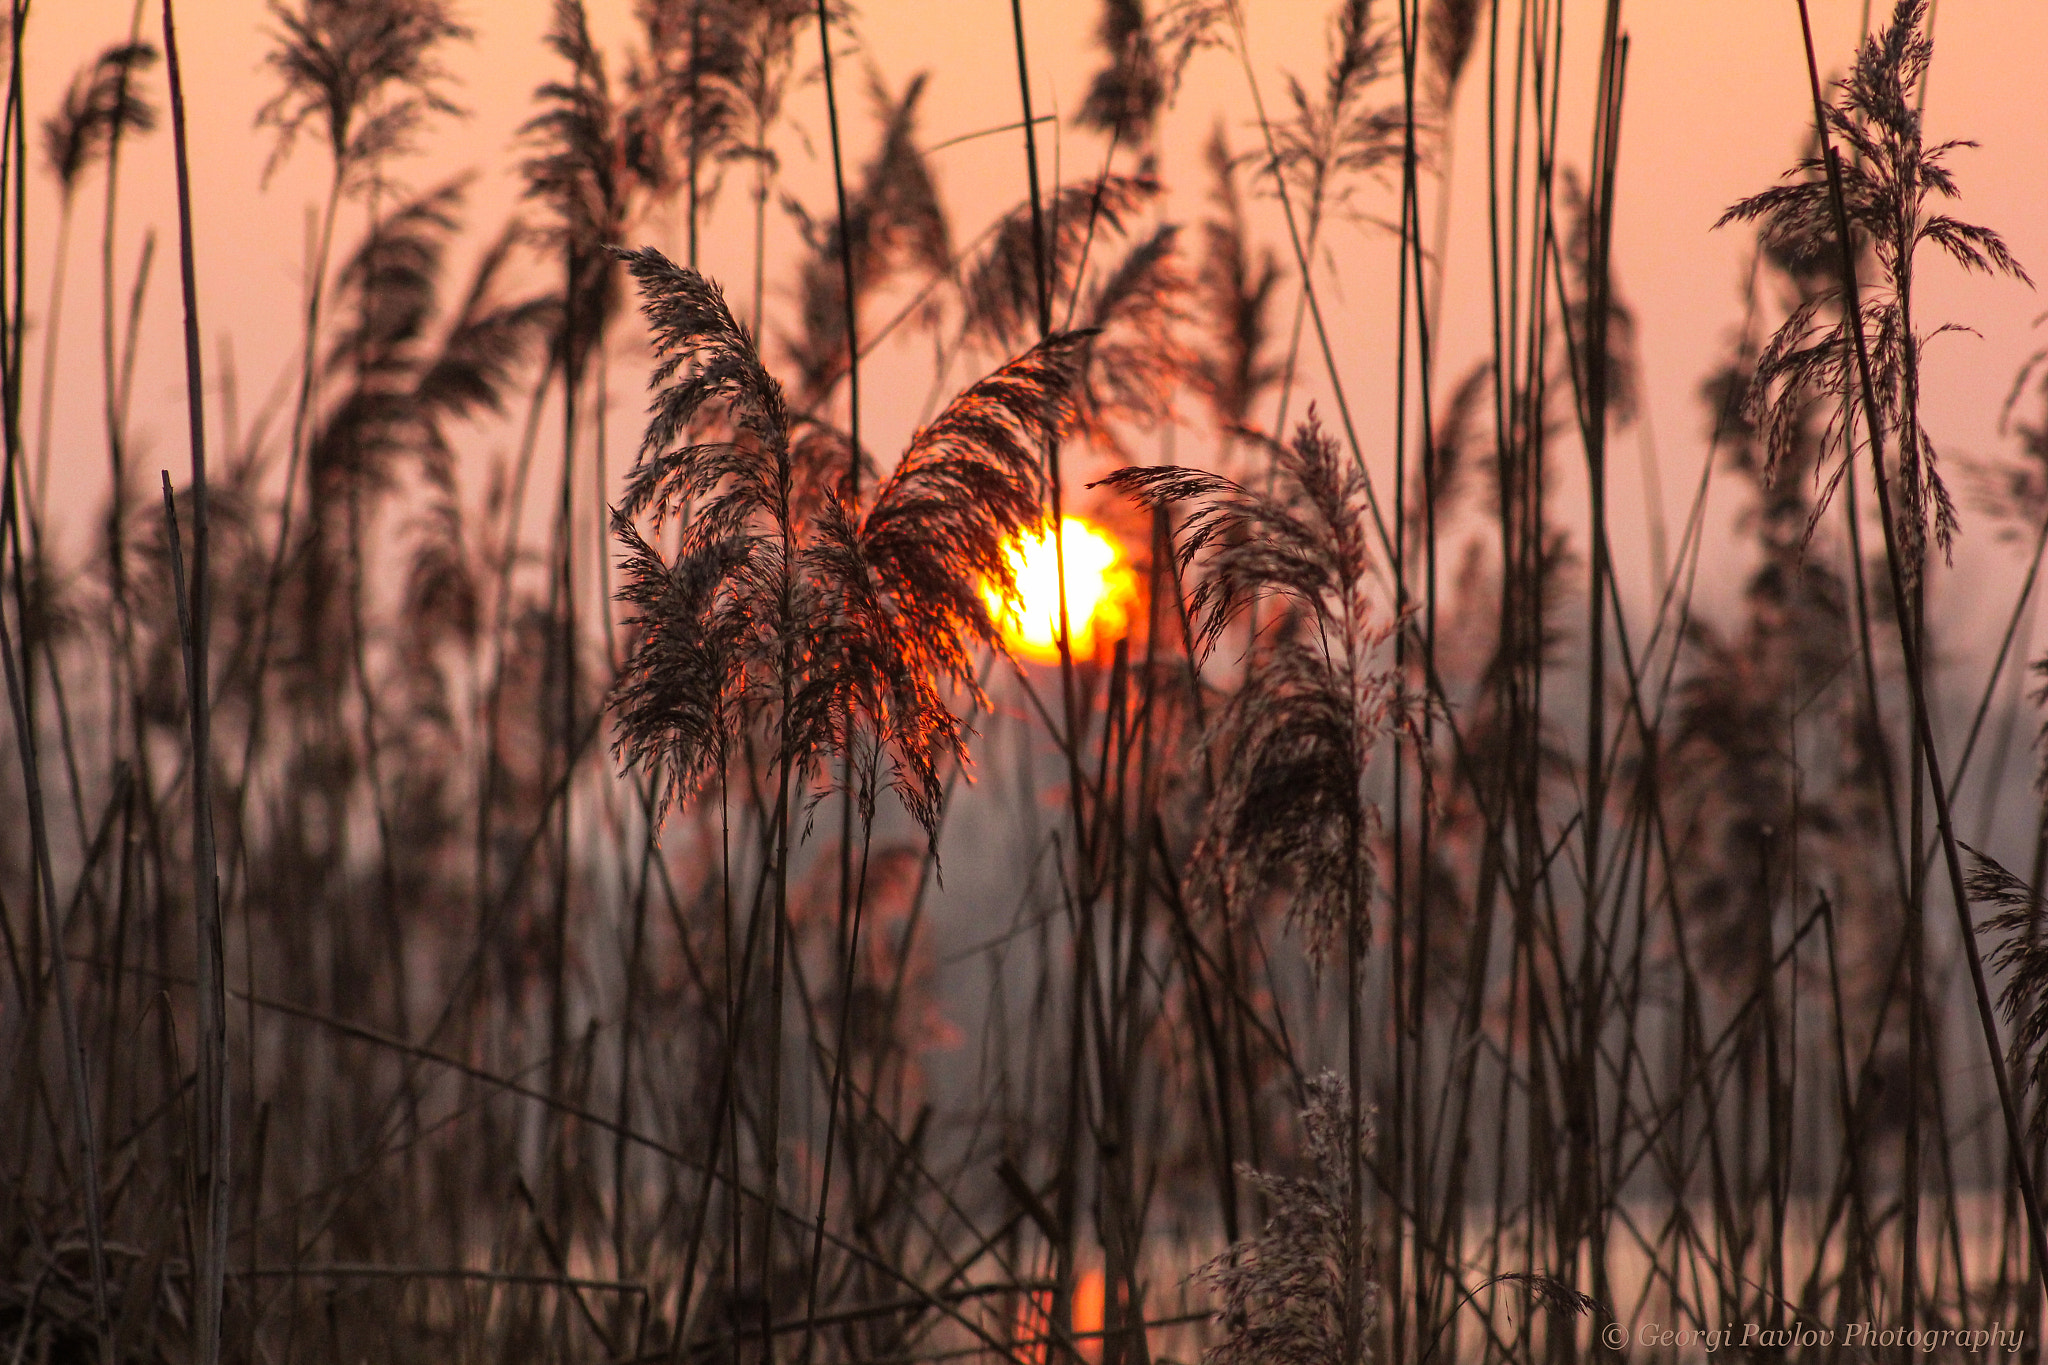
(214, 1145)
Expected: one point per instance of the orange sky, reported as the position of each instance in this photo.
(1716, 106)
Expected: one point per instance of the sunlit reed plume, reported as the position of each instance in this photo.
(855, 621)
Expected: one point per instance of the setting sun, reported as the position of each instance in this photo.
(1100, 590)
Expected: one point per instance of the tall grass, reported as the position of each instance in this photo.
(1398, 941)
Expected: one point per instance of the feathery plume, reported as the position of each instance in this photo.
(1449, 29)
(859, 621)
(594, 168)
(1888, 185)
(893, 220)
(102, 102)
(1622, 379)
(902, 589)
(1290, 814)
(1147, 56)
(1140, 360)
(483, 345)
(1233, 290)
(391, 281)
(1332, 139)
(2023, 956)
(1001, 292)
(684, 89)
(1283, 1290)
(764, 35)
(1126, 96)
(715, 625)
(362, 74)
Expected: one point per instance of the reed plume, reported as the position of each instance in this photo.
(102, 102)
(894, 221)
(481, 350)
(854, 620)
(764, 45)
(1290, 814)
(1337, 136)
(1140, 359)
(593, 168)
(1456, 447)
(1126, 96)
(1889, 189)
(2011, 490)
(1450, 28)
(391, 284)
(685, 89)
(1147, 56)
(1000, 294)
(363, 75)
(1234, 292)
(1283, 1290)
(2022, 954)
(1759, 818)
(907, 581)
(707, 621)
(1582, 289)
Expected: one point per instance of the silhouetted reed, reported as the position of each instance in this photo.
(1608, 904)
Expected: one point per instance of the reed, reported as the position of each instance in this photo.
(1394, 940)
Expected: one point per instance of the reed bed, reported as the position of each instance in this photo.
(472, 909)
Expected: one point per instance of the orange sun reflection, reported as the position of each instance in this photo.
(1100, 592)
(1033, 1328)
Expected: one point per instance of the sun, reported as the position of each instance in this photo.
(1100, 591)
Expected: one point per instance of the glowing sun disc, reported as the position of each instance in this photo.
(1100, 588)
